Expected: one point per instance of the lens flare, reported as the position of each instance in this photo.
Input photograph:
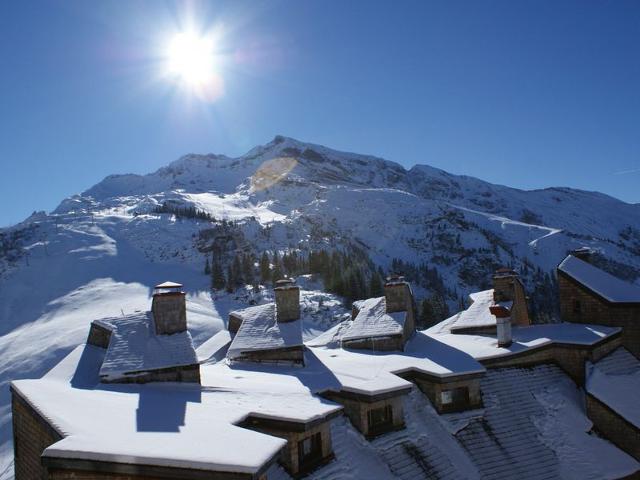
(271, 172)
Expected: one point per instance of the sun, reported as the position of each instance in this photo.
(191, 58)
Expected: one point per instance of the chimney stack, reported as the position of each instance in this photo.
(507, 287)
(398, 294)
(503, 281)
(503, 324)
(169, 308)
(287, 295)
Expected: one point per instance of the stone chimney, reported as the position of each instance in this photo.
(169, 308)
(583, 253)
(398, 294)
(507, 287)
(503, 324)
(399, 298)
(287, 295)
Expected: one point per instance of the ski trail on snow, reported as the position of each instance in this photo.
(507, 221)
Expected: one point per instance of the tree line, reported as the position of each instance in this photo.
(184, 212)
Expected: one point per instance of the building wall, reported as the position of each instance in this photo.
(31, 435)
(382, 344)
(291, 355)
(99, 336)
(77, 474)
(234, 323)
(433, 390)
(358, 411)
(571, 358)
(594, 309)
(183, 373)
(612, 426)
(289, 454)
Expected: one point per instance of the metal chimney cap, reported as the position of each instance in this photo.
(395, 279)
(286, 284)
(168, 285)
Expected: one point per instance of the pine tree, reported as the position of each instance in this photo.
(375, 285)
(247, 268)
(426, 318)
(218, 281)
(231, 281)
(236, 267)
(265, 271)
(207, 267)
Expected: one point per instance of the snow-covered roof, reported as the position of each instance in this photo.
(373, 373)
(374, 321)
(172, 425)
(615, 381)
(477, 315)
(134, 347)
(483, 347)
(533, 426)
(602, 283)
(260, 330)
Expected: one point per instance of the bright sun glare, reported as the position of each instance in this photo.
(191, 58)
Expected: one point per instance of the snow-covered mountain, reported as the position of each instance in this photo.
(100, 252)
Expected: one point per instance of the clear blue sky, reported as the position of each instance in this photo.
(530, 94)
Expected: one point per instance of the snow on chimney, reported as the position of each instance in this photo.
(398, 294)
(503, 324)
(583, 253)
(169, 308)
(287, 295)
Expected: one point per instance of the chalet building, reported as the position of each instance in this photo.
(384, 323)
(148, 346)
(471, 392)
(270, 333)
(71, 425)
(593, 296)
(611, 397)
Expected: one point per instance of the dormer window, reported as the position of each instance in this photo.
(454, 399)
(380, 419)
(309, 451)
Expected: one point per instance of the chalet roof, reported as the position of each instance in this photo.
(167, 424)
(135, 347)
(533, 426)
(260, 331)
(482, 347)
(600, 282)
(615, 381)
(374, 321)
(477, 315)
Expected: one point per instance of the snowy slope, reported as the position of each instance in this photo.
(100, 252)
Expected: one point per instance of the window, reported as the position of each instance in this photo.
(309, 450)
(455, 397)
(380, 419)
(577, 307)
